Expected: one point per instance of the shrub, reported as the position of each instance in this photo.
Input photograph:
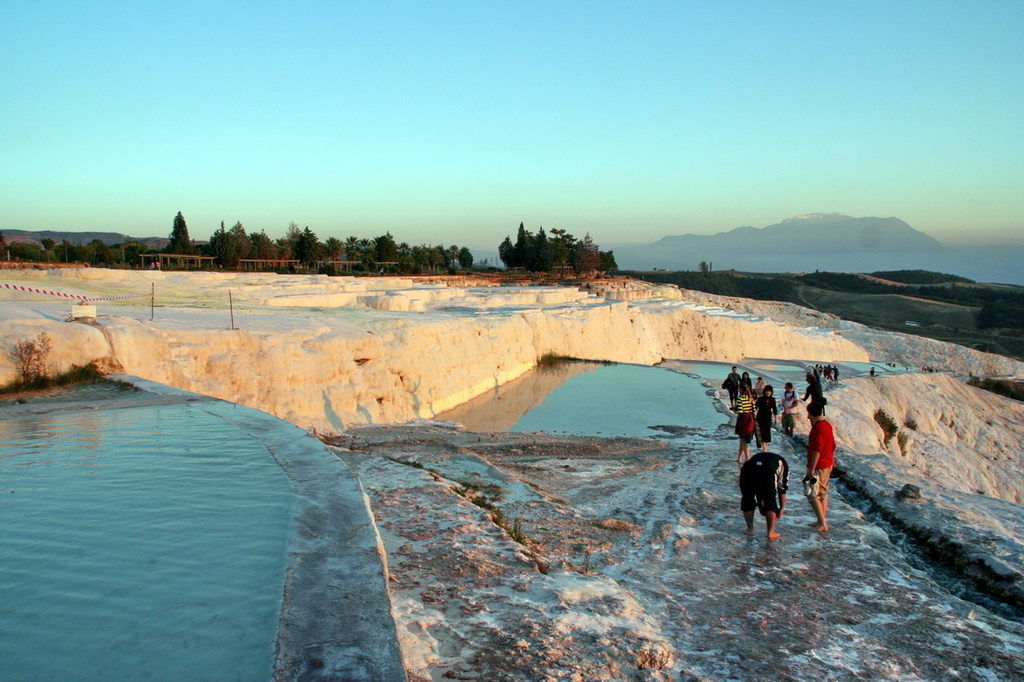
(31, 357)
(516, 532)
(653, 659)
(549, 359)
(889, 427)
(1004, 387)
(902, 439)
(911, 424)
(76, 375)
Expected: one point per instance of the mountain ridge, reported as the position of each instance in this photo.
(823, 241)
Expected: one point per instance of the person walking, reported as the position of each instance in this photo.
(814, 391)
(732, 384)
(764, 480)
(821, 448)
(790, 401)
(766, 412)
(745, 423)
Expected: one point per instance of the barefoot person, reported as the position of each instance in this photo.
(821, 448)
(764, 480)
(766, 413)
(732, 384)
(745, 422)
(789, 405)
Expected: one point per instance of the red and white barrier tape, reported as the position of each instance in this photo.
(19, 287)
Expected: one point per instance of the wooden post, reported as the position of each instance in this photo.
(152, 300)
(231, 305)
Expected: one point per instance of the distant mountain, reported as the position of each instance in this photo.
(823, 241)
(108, 238)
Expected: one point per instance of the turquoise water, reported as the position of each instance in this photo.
(145, 543)
(778, 371)
(622, 400)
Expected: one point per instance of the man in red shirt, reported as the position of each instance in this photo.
(821, 448)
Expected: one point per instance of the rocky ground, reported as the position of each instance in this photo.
(530, 557)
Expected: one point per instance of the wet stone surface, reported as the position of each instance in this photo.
(531, 557)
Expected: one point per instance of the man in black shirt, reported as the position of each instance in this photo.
(764, 480)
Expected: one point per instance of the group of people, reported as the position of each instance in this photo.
(764, 477)
(829, 372)
(757, 410)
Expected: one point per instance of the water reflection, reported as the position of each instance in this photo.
(503, 407)
(594, 399)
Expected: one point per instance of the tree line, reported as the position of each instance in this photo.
(228, 246)
(303, 249)
(541, 253)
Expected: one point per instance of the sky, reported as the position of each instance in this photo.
(452, 122)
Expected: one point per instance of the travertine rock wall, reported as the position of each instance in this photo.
(953, 434)
(322, 365)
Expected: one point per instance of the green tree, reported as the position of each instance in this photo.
(99, 252)
(229, 246)
(48, 245)
(385, 248)
(180, 241)
(286, 244)
(465, 258)
(523, 247)
(131, 252)
(333, 248)
(507, 253)
(588, 257)
(262, 246)
(562, 246)
(540, 253)
(307, 247)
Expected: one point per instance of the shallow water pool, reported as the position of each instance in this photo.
(144, 543)
(622, 400)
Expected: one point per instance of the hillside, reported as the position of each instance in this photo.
(108, 238)
(985, 317)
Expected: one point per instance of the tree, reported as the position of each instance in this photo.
(562, 246)
(228, 246)
(99, 252)
(307, 247)
(180, 242)
(521, 254)
(465, 258)
(240, 244)
(588, 257)
(506, 252)
(333, 248)
(218, 244)
(262, 246)
(541, 253)
(132, 252)
(48, 245)
(385, 248)
(286, 244)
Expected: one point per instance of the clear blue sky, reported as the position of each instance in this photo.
(451, 122)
